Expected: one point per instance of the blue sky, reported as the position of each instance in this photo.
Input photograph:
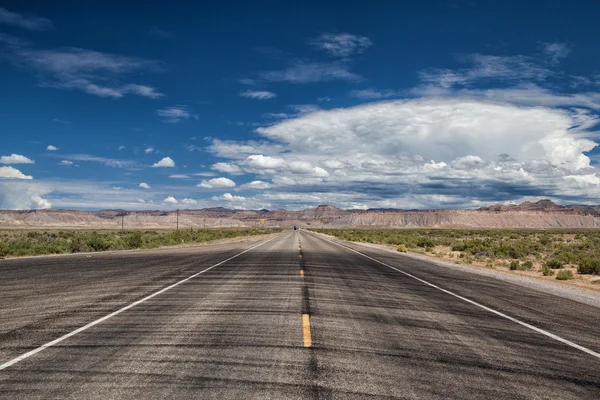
(432, 104)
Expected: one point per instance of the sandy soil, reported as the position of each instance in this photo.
(590, 282)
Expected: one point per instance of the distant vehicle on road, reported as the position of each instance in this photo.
(295, 228)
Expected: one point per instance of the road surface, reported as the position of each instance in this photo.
(293, 317)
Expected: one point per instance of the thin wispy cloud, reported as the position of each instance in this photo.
(25, 21)
(487, 67)
(372, 94)
(93, 72)
(102, 160)
(342, 44)
(179, 176)
(258, 94)
(556, 51)
(310, 72)
(176, 114)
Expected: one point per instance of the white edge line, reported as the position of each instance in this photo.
(119, 311)
(501, 314)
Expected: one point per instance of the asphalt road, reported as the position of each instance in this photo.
(297, 317)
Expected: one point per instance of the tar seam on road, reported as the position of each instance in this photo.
(500, 314)
(119, 311)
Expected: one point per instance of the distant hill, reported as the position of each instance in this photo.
(543, 214)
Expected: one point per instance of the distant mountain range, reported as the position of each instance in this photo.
(543, 214)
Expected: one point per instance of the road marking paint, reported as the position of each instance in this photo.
(302, 273)
(498, 313)
(119, 311)
(306, 330)
(299, 255)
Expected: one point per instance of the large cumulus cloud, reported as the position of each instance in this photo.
(459, 151)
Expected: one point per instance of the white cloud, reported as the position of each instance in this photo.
(15, 159)
(179, 176)
(189, 201)
(438, 129)
(65, 162)
(166, 162)
(176, 114)
(259, 161)
(454, 152)
(149, 150)
(22, 195)
(170, 200)
(241, 150)
(229, 197)
(144, 185)
(226, 168)
(29, 22)
(117, 188)
(216, 183)
(258, 94)
(13, 173)
(122, 147)
(342, 44)
(256, 185)
(51, 148)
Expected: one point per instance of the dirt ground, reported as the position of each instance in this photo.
(590, 282)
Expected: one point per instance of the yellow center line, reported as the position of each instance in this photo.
(306, 330)
(302, 273)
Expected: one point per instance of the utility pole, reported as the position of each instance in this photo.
(123, 223)
(178, 220)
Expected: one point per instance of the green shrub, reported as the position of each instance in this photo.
(425, 242)
(547, 271)
(527, 265)
(554, 264)
(589, 266)
(402, 248)
(564, 274)
(514, 265)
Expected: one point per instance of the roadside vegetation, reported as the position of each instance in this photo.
(572, 253)
(26, 243)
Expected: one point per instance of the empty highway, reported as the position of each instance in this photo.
(292, 316)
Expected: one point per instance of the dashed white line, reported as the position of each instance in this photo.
(119, 311)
